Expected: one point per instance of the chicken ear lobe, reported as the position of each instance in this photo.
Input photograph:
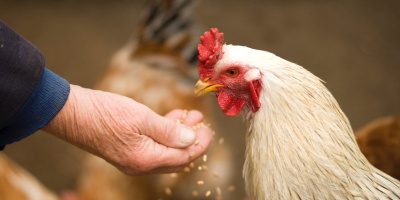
(230, 104)
(255, 88)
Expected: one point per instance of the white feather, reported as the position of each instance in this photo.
(252, 74)
(300, 144)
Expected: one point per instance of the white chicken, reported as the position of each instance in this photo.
(300, 144)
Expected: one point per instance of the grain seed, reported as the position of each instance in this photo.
(186, 169)
(231, 188)
(173, 175)
(221, 141)
(208, 193)
(168, 191)
(215, 174)
(184, 115)
(218, 190)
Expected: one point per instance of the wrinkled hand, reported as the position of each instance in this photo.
(128, 134)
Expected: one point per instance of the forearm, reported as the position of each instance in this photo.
(86, 120)
(65, 124)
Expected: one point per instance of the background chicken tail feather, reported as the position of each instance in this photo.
(167, 27)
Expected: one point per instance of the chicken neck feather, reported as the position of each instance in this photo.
(300, 144)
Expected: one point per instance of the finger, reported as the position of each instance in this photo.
(173, 160)
(193, 117)
(204, 136)
(189, 118)
(175, 114)
(167, 131)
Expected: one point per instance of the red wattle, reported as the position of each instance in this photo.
(230, 105)
(255, 88)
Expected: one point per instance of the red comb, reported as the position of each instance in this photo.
(210, 51)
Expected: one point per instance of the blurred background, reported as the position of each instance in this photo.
(353, 45)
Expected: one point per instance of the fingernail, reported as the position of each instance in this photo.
(187, 135)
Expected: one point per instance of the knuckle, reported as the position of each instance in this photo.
(169, 132)
(140, 159)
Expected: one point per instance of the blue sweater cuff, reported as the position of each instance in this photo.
(47, 99)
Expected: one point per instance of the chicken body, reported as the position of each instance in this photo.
(16, 183)
(161, 82)
(300, 144)
(379, 141)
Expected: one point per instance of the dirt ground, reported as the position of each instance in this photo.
(353, 45)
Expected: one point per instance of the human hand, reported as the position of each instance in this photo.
(128, 134)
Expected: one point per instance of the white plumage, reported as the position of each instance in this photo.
(300, 144)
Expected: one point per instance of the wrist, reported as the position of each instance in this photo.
(66, 125)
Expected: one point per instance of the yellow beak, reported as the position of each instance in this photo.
(204, 87)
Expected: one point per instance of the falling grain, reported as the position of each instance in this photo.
(199, 168)
(196, 142)
(205, 157)
(204, 167)
(173, 175)
(186, 169)
(218, 190)
(215, 174)
(168, 191)
(208, 193)
(195, 193)
(221, 141)
(191, 164)
(231, 188)
(191, 154)
(184, 114)
(200, 182)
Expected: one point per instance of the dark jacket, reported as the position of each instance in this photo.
(30, 94)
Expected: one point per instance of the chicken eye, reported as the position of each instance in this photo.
(232, 72)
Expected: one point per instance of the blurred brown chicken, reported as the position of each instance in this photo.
(18, 184)
(379, 141)
(158, 68)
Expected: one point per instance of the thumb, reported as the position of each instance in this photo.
(168, 132)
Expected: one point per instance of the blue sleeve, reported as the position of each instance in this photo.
(30, 94)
